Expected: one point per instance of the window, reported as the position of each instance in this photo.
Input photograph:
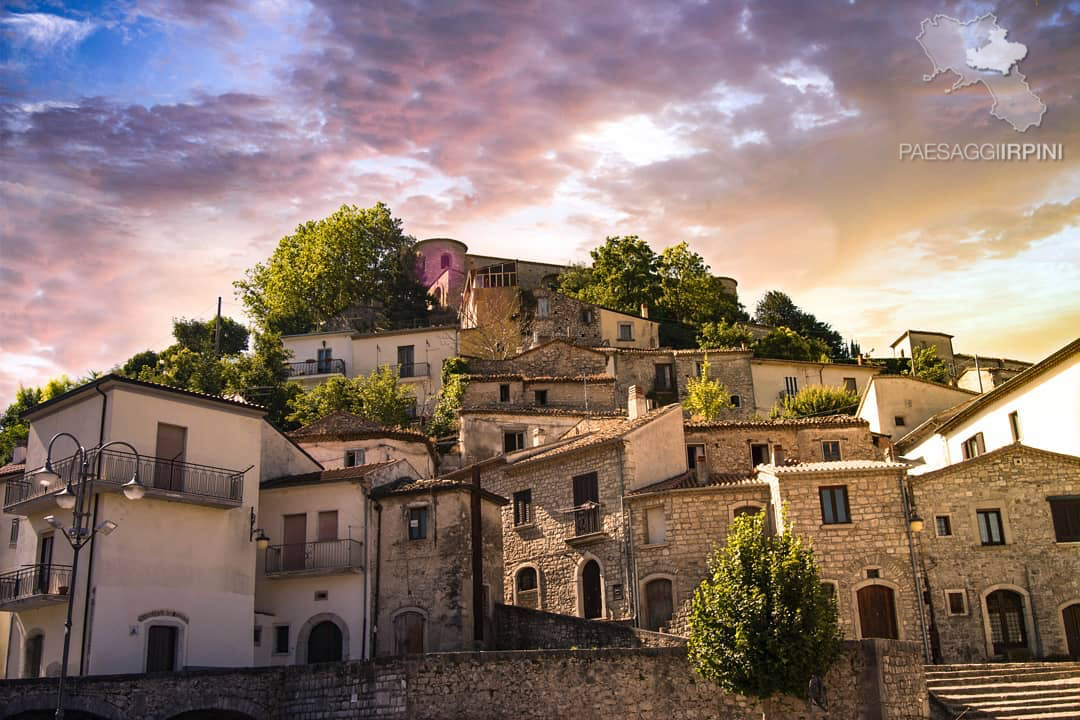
(14, 531)
(258, 636)
(873, 573)
(354, 458)
(655, 525)
(523, 512)
(418, 523)
(745, 510)
(736, 401)
(943, 525)
(791, 385)
(974, 446)
(526, 579)
(990, 530)
(664, 377)
(778, 454)
(956, 602)
(830, 450)
(540, 397)
(850, 386)
(834, 505)
(899, 421)
(1014, 425)
(759, 454)
(586, 504)
(504, 393)
(514, 440)
(1066, 514)
(626, 331)
(444, 261)
(281, 639)
(324, 356)
(586, 317)
(693, 452)
(543, 307)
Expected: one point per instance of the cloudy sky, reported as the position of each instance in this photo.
(152, 150)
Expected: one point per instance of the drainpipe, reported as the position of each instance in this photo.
(83, 668)
(378, 567)
(477, 541)
(366, 613)
(1040, 652)
(914, 568)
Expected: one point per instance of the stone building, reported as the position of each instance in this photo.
(485, 431)
(551, 314)
(343, 439)
(1001, 554)
(594, 392)
(775, 379)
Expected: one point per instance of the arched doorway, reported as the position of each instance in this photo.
(658, 603)
(877, 612)
(1071, 616)
(324, 643)
(32, 655)
(1005, 611)
(592, 600)
(409, 633)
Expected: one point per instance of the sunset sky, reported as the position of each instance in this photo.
(151, 151)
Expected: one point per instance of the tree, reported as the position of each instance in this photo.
(356, 255)
(706, 398)
(13, 430)
(378, 397)
(778, 310)
(262, 378)
(817, 401)
(198, 335)
(786, 344)
(724, 335)
(494, 323)
(689, 293)
(623, 275)
(761, 624)
(444, 417)
(927, 365)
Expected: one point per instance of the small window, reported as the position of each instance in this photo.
(281, 639)
(990, 529)
(834, 505)
(664, 377)
(830, 450)
(321, 595)
(354, 458)
(850, 386)
(899, 421)
(513, 441)
(543, 307)
(736, 401)
(791, 385)
(504, 393)
(693, 452)
(1014, 425)
(974, 446)
(956, 601)
(14, 532)
(1066, 514)
(759, 454)
(586, 317)
(943, 525)
(778, 455)
(655, 525)
(258, 636)
(417, 523)
(540, 397)
(445, 260)
(699, 366)
(526, 579)
(626, 331)
(873, 573)
(523, 512)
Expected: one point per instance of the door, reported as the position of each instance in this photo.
(168, 468)
(877, 612)
(592, 603)
(1071, 615)
(405, 361)
(659, 603)
(294, 538)
(324, 360)
(44, 564)
(409, 633)
(324, 643)
(161, 648)
(586, 500)
(1005, 610)
(328, 552)
(32, 661)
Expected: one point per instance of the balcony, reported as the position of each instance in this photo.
(164, 479)
(405, 371)
(34, 586)
(323, 557)
(310, 368)
(586, 525)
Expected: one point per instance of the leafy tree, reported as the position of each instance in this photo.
(761, 624)
(134, 365)
(337, 394)
(689, 293)
(378, 397)
(724, 335)
(354, 256)
(262, 378)
(198, 335)
(706, 398)
(927, 365)
(778, 310)
(623, 275)
(786, 344)
(13, 430)
(444, 417)
(817, 401)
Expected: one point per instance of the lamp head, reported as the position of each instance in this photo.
(133, 488)
(105, 527)
(51, 519)
(66, 498)
(47, 475)
(916, 523)
(262, 541)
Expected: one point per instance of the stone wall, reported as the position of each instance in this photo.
(557, 357)
(638, 367)
(481, 430)
(561, 393)
(566, 319)
(518, 628)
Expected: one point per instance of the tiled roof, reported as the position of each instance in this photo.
(672, 351)
(987, 457)
(345, 425)
(409, 486)
(931, 425)
(327, 476)
(508, 409)
(690, 481)
(495, 377)
(829, 420)
(12, 469)
(835, 466)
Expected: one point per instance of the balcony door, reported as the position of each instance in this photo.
(294, 538)
(161, 644)
(171, 447)
(1006, 612)
(405, 358)
(586, 504)
(44, 563)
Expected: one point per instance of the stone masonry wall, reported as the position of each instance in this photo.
(731, 368)
(727, 447)
(518, 628)
(553, 358)
(563, 394)
(566, 319)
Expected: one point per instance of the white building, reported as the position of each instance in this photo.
(773, 379)
(896, 404)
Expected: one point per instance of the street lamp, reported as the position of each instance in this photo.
(73, 497)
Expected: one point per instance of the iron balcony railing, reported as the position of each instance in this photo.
(321, 556)
(316, 367)
(587, 520)
(33, 581)
(174, 478)
(411, 370)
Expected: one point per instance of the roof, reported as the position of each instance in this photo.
(919, 332)
(690, 481)
(993, 455)
(824, 421)
(350, 474)
(343, 425)
(12, 469)
(495, 377)
(407, 486)
(844, 365)
(547, 410)
(560, 341)
(121, 380)
(909, 378)
(832, 467)
(402, 331)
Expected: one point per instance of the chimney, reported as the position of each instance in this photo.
(644, 311)
(539, 436)
(636, 404)
(18, 454)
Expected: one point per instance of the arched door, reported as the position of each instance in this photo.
(658, 602)
(33, 651)
(592, 603)
(1071, 615)
(877, 612)
(1005, 610)
(324, 643)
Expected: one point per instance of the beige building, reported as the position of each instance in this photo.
(774, 379)
(343, 439)
(12, 526)
(896, 404)
(904, 346)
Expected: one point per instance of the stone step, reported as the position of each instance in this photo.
(1004, 678)
(1008, 691)
(937, 672)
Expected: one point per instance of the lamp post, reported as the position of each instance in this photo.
(73, 497)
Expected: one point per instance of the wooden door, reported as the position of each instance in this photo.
(1071, 615)
(409, 633)
(44, 563)
(1007, 629)
(324, 643)
(586, 498)
(659, 603)
(591, 597)
(293, 540)
(171, 447)
(405, 356)
(161, 648)
(877, 612)
(32, 662)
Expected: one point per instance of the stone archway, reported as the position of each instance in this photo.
(303, 638)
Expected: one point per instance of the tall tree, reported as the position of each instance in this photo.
(777, 309)
(13, 430)
(690, 294)
(623, 275)
(261, 377)
(379, 397)
(198, 335)
(706, 398)
(354, 256)
(784, 343)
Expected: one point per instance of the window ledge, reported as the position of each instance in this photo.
(1067, 542)
(826, 526)
(649, 546)
(525, 526)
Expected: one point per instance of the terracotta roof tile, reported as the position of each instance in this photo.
(830, 420)
(690, 481)
(410, 486)
(495, 377)
(345, 425)
(12, 469)
(508, 409)
(834, 466)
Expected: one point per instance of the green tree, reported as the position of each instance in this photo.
(623, 275)
(778, 310)
(689, 293)
(706, 398)
(444, 417)
(724, 335)
(817, 401)
(198, 335)
(13, 430)
(134, 365)
(354, 256)
(261, 377)
(926, 364)
(785, 344)
(379, 397)
(761, 624)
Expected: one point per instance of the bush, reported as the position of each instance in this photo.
(817, 401)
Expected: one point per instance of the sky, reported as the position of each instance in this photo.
(151, 151)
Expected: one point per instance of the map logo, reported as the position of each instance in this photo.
(977, 51)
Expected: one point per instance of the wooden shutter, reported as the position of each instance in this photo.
(328, 529)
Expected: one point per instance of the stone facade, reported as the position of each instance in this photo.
(557, 357)
(567, 319)
(481, 430)
(519, 628)
(639, 367)
(1016, 480)
(568, 392)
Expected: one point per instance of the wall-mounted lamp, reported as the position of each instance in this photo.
(915, 522)
(257, 535)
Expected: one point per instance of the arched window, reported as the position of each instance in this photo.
(445, 260)
(527, 587)
(409, 633)
(526, 579)
(324, 643)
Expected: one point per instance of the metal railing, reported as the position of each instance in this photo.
(34, 580)
(197, 482)
(316, 367)
(411, 370)
(321, 555)
(587, 520)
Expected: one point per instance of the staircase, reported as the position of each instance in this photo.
(1006, 691)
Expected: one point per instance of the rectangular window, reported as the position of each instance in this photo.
(834, 505)
(258, 636)
(354, 458)
(586, 317)
(328, 525)
(417, 523)
(850, 386)
(504, 393)
(956, 600)
(586, 504)
(830, 450)
(540, 397)
(974, 446)
(1066, 514)
(759, 454)
(664, 377)
(943, 524)
(543, 307)
(626, 331)
(899, 421)
(406, 355)
(693, 452)
(324, 355)
(1014, 425)
(513, 441)
(791, 385)
(990, 529)
(281, 639)
(523, 512)
(655, 525)
(14, 532)
(736, 401)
